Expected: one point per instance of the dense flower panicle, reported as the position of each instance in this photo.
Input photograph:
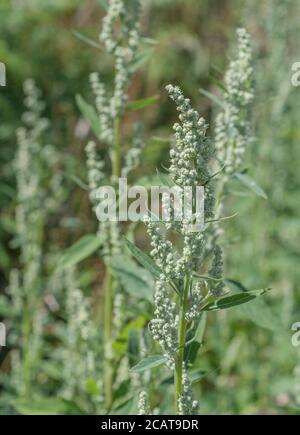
(189, 168)
(95, 168)
(134, 154)
(233, 132)
(216, 271)
(187, 405)
(164, 326)
(192, 151)
(197, 296)
(35, 201)
(143, 404)
(103, 108)
(120, 36)
(39, 193)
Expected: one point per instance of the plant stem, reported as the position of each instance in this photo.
(108, 292)
(181, 342)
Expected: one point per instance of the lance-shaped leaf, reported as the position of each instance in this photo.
(144, 259)
(82, 249)
(149, 363)
(89, 114)
(140, 60)
(135, 280)
(248, 181)
(141, 104)
(86, 39)
(233, 300)
(212, 97)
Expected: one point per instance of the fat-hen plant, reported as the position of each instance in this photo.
(189, 274)
(233, 133)
(173, 318)
(121, 39)
(38, 195)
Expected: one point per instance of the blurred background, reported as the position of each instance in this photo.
(248, 362)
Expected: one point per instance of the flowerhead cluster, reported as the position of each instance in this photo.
(189, 166)
(187, 405)
(164, 326)
(143, 405)
(134, 154)
(95, 168)
(233, 132)
(120, 36)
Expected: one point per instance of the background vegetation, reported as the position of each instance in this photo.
(247, 362)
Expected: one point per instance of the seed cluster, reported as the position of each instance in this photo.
(189, 167)
(233, 132)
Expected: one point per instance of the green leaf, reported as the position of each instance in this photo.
(194, 344)
(233, 300)
(78, 181)
(261, 314)
(212, 97)
(196, 375)
(6, 308)
(92, 387)
(248, 181)
(45, 406)
(165, 179)
(149, 363)
(140, 60)
(144, 259)
(133, 346)
(196, 275)
(141, 104)
(89, 114)
(120, 344)
(82, 249)
(86, 39)
(235, 285)
(257, 310)
(135, 280)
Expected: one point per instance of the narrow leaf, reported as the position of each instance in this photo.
(89, 114)
(212, 97)
(233, 300)
(248, 181)
(135, 280)
(82, 249)
(141, 104)
(86, 39)
(149, 363)
(140, 60)
(144, 259)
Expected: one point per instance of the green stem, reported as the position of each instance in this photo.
(108, 292)
(181, 342)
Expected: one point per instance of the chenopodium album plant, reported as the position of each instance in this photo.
(233, 129)
(121, 39)
(189, 275)
(38, 195)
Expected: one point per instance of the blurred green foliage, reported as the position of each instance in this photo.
(247, 355)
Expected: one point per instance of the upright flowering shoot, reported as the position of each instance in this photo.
(176, 317)
(233, 129)
(121, 40)
(233, 132)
